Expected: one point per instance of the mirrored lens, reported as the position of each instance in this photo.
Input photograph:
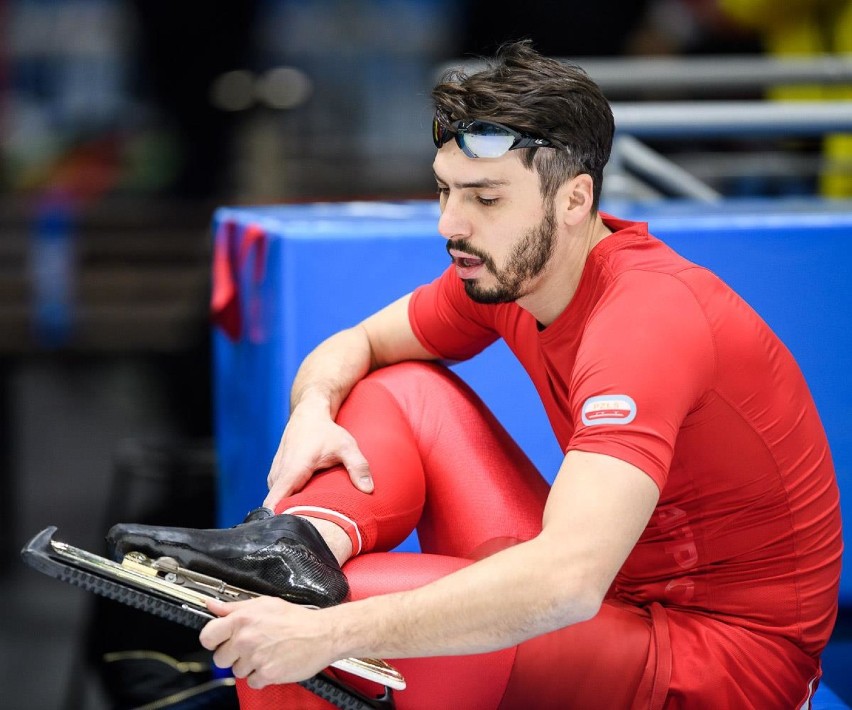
(486, 145)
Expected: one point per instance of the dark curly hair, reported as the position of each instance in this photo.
(543, 97)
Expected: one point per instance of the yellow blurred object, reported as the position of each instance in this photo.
(807, 28)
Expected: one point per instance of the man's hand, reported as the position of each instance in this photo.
(267, 640)
(312, 442)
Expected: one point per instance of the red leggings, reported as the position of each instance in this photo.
(442, 464)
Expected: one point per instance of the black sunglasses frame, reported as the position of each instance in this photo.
(443, 131)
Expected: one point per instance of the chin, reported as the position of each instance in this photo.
(487, 297)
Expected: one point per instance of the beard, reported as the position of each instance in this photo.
(527, 260)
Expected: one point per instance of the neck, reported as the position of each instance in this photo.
(558, 283)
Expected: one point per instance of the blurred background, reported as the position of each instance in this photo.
(125, 123)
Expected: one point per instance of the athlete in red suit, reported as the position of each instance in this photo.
(687, 554)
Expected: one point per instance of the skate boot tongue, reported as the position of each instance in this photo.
(258, 514)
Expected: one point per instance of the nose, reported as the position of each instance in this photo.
(452, 223)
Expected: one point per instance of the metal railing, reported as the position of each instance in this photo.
(710, 119)
(732, 74)
(728, 73)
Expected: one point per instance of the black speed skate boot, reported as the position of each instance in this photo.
(278, 555)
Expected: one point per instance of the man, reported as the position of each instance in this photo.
(687, 554)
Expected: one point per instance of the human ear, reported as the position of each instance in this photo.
(575, 198)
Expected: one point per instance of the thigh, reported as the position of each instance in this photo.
(610, 662)
(719, 665)
(482, 492)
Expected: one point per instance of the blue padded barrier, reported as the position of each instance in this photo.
(329, 265)
(826, 699)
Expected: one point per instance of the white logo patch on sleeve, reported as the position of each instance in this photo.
(609, 409)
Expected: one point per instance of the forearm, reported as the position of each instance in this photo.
(329, 373)
(498, 602)
(331, 370)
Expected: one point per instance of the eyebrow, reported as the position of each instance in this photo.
(483, 183)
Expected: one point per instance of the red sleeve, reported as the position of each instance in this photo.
(448, 323)
(639, 372)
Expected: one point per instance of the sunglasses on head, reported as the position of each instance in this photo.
(484, 139)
